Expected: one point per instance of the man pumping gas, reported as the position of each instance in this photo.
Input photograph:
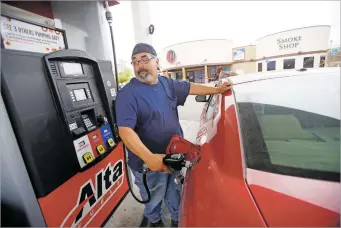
(147, 118)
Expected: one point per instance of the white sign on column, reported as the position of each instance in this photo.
(19, 35)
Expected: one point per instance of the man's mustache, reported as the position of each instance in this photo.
(142, 70)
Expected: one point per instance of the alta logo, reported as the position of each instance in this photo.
(91, 200)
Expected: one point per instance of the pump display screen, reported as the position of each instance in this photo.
(80, 94)
(72, 68)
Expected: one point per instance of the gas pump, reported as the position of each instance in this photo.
(60, 107)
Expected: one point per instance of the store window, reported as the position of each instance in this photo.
(212, 74)
(271, 66)
(308, 62)
(178, 76)
(260, 66)
(190, 76)
(289, 64)
(213, 71)
(199, 76)
(322, 61)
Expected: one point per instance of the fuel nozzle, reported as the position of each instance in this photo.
(175, 162)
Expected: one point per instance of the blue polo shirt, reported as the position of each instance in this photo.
(151, 110)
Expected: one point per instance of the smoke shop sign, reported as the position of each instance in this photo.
(288, 42)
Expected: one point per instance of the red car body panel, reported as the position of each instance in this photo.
(221, 191)
(283, 210)
(227, 205)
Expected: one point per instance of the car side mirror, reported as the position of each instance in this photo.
(201, 98)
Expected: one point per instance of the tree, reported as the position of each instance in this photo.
(125, 76)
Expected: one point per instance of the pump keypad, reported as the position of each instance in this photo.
(88, 124)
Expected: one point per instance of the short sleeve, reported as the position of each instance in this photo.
(181, 90)
(126, 110)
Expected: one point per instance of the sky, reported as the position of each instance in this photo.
(242, 21)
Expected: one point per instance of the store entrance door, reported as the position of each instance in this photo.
(178, 76)
(199, 76)
(190, 76)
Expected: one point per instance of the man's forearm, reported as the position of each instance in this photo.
(197, 89)
(134, 143)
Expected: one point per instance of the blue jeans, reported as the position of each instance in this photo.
(161, 186)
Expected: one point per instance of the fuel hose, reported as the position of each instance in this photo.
(109, 18)
(144, 179)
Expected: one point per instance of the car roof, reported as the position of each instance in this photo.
(249, 77)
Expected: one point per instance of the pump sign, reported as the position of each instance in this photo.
(239, 54)
(89, 204)
(19, 35)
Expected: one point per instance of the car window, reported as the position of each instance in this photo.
(211, 107)
(289, 129)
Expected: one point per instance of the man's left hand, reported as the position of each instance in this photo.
(224, 87)
(197, 89)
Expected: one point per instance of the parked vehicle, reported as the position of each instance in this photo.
(270, 153)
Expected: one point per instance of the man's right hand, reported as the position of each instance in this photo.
(133, 142)
(155, 163)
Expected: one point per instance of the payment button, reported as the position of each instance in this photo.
(100, 149)
(88, 157)
(111, 142)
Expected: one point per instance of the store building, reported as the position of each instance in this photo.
(197, 61)
(334, 57)
(293, 49)
(201, 61)
(244, 59)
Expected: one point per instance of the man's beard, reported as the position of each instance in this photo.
(144, 76)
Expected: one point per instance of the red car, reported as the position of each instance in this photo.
(270, 153)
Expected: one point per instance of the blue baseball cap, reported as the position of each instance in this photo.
(143, 47)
